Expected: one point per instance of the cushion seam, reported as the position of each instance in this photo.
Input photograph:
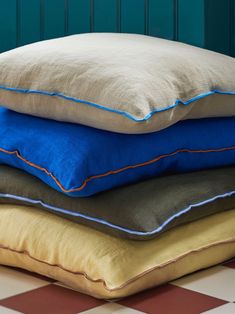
(131, 280)
(118, 227)
(121, 112)
(111, 172)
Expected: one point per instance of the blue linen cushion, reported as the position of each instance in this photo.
(82, 161)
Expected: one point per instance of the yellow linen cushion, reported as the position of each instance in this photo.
(104, 266)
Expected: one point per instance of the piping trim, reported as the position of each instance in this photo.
(130, 281)
(121, 112)
(114, 226)
(111, 172)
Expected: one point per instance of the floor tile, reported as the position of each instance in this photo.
(51, 299)
(170, 299)
(35, 275)
(110, 308)
(228, 308)
(15, 282)
(218, 282)
(4, 310)
(36, 294)
(60, 284)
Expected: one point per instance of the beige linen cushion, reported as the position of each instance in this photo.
(104, 266)
(119, 82)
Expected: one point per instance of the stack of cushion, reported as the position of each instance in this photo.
(107, 140)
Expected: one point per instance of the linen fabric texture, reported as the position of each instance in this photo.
(139, 211)
(75, 159)
(104, 266)
(118, 82)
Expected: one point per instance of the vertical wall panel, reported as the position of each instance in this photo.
(105, 15)
(29, 21)
(191, 22)
(54, 18)
(8, 24)
(133, 16)
(204, 23)
(217, 25)
(78, 16)
(232, 31)
(160, 11)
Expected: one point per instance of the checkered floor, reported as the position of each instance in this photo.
(209, 291)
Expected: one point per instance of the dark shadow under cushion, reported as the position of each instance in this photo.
(139, 211)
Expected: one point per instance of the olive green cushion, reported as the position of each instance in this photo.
(139, 211)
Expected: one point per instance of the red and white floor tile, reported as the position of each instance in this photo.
(210, 291)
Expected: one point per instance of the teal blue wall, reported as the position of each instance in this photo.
(205, 23)
(233, 27)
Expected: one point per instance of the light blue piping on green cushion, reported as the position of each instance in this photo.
(113, 226)
(126, 114)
